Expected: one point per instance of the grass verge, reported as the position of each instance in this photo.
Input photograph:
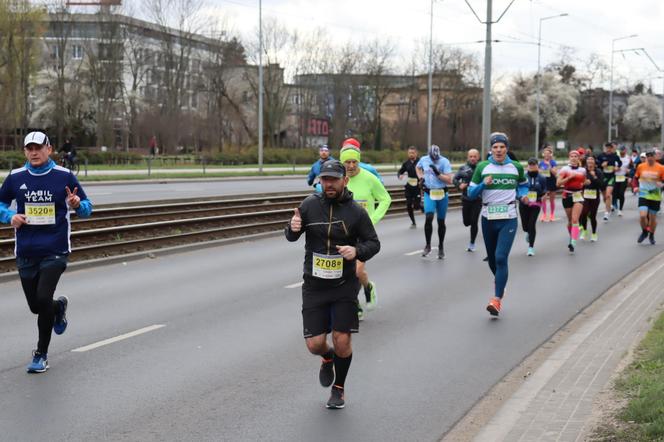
(641, 386)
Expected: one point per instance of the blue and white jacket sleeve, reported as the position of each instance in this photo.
(6, 198)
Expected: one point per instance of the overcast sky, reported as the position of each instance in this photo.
(589, 28)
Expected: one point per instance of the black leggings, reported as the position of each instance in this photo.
(412, 203)
(428, 230)
(39, 278)
(470, 212)
(619, 194)
(590, 207)
(529, 216)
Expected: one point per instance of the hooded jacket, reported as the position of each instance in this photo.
(328, 223)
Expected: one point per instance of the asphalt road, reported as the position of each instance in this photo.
(230, 363)
(118, 193)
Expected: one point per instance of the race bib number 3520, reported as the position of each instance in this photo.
(327, 266)
(40, 213)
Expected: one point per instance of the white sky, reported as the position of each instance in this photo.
(590, 27)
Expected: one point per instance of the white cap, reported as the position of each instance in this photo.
(36, 138)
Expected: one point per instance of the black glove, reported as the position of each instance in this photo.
(434, 169)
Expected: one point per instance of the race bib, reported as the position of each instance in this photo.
(532, 197)
(436, 194)
(327, 266)
(546, 173)
(577, 197)
(498, 211)
(620, 178)
(412, 182)
(40, 213)
(608, 169)
(590, 194)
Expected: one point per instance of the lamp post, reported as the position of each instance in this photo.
(613, 42)
(430, 81)
(260, 85)
(539, 80)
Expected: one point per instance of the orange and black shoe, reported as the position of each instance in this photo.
(336, 400)
(326, 373)
(494, 307)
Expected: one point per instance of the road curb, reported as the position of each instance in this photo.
(550, 393)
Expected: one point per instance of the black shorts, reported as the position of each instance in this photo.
(653, 206)
(609, 179)
(327, 309)
(551, 184)
(568, 200)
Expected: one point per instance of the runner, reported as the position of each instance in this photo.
(648, 179)
(609, 162)
(367, 190)
(591, 199)
(572, 178)
(499, 182)
(470, 208)
(412, 187)
(352, 143)
(622, 173)
(338, 233)
(324, 155)
(436, 171)
(529, 209)
(44, 193)
(548, 169)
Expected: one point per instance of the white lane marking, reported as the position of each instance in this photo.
(140, 331)
(417, 252)
(294, 286)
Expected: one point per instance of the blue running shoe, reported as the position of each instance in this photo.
(60, 324)
(39, 363)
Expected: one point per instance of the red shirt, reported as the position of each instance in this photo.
(578, 178)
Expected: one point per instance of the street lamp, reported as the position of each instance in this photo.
(538, 80)
(260, 85)
(613, 42)
(430, 81)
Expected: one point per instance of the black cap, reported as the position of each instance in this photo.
(532, 160)
(332, 168)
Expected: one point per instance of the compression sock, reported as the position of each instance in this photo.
(341, 366)
(575, 232)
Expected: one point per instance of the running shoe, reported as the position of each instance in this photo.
(593, 237)
(441, 253)
(606, 216)
(619, 212)
(543, 218)
(413, 226)
(336, 400)
(651, 237)
(60, 324)
(571, 246)
(39, 363)
(642, 237)
(370, 295)
(494, 307)
(531, 251)
(426, 251)
(486, 259)
(326, 373)
(582, 234)
(471, 247)
(552, 218)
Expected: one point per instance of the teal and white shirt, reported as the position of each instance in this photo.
(499, 198)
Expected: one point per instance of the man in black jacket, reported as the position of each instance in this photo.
(412, 187)
(338, 232)
(470, 209)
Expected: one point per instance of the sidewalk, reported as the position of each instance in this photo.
(555, 402)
